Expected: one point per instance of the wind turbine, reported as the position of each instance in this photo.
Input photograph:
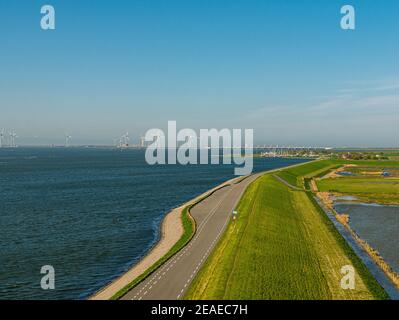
(127, 139)
(67, 140)
(124, 141)
(12, 136)
(1, 138)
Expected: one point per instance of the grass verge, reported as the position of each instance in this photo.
(281, 247)
(188, 233)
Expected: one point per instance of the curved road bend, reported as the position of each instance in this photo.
(172, 279)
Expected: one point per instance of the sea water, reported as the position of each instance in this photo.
(91, 213)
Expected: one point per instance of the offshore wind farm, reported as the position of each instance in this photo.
(8, 139)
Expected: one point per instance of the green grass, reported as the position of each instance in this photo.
(365, 184)
(360, 185)
(373, 171)
(367, 189)
(296, 175)
(281, 247)
(188, 232)
(380, 163)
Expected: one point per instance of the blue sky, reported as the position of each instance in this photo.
(284, 68)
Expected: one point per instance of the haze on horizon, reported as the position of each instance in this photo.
(283, 68)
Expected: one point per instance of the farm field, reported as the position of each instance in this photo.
(366, 183)
(295, 175)
(282, 246)
(360, 185)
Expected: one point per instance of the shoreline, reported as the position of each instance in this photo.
(358, 246)
(168, 238)
(374, 255)
(171, 232)
(327, 202)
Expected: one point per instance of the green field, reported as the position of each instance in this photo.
(360, 185)
(282, 247)
(296, 175)
(367, 184)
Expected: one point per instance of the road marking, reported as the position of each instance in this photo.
(186, 251)
(211, 247)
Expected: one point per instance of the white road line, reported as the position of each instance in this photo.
(211, 247)
(201, 227)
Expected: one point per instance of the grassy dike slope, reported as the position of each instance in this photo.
(281, 247)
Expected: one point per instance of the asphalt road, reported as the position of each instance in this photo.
(212, 215)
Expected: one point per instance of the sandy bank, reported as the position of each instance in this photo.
(172, 230)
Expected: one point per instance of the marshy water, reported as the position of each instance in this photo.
(378, 225)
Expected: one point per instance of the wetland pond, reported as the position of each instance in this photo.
(376, 224)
